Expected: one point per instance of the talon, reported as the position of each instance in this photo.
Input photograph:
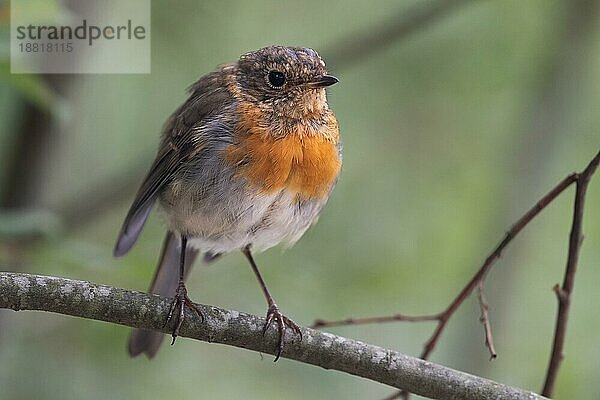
(171, 310)
(179, 302)
(268, 321)
(193, 306)
(273, 314)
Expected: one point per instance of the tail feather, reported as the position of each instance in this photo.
(166, 279)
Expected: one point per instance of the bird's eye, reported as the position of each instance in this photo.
(276, 79)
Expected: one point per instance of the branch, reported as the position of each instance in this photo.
(485, 320)
(582, 180)
(564, 293)
(479, 276)
(140, 310)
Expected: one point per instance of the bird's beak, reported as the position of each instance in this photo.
(322, 81)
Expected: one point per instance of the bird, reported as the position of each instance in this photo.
(247, 162)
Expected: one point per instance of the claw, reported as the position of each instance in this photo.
(268, 321)
(179, 302)
(273, 314)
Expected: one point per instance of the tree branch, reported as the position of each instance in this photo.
(443, 317)
(564, 293)
(485, 321)
(92, 301)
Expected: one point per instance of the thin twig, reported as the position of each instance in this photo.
(320, 323)
(564, 293)
(485, 320)
(141, 310)
(445, 315)
(582, 181)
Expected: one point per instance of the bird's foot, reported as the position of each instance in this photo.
(274, 315)
(178, 304)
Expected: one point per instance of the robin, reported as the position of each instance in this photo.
(247, 162)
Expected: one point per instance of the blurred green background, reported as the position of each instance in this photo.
(450, 133)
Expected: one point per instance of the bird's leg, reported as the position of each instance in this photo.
(181, 298)
(273, 313)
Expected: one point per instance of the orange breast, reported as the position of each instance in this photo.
(304, 161)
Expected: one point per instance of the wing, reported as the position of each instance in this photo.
(160, 171)
(185, 136)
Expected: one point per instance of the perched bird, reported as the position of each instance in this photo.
(247, 162)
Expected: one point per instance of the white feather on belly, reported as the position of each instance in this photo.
(262, 220)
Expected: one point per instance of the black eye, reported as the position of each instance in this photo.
(276, 78)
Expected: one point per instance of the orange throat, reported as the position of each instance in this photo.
(303, 161)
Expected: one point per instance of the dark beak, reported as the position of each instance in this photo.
(323, 81)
